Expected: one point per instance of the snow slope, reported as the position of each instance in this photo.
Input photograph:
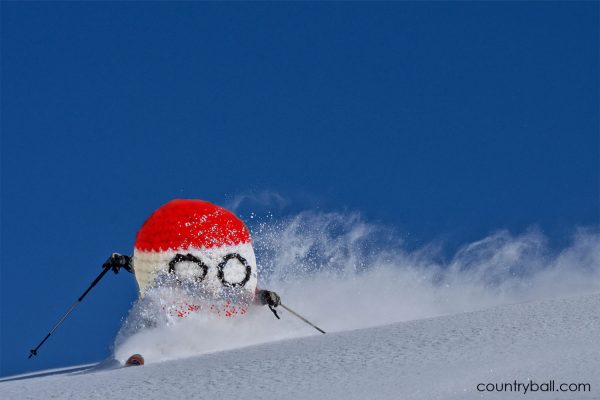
(436, 358)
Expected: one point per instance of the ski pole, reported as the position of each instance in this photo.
(33, 352)
(302, 318)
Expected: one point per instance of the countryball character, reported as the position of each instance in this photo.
(202, 248)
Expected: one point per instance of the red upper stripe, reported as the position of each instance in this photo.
(181, 224)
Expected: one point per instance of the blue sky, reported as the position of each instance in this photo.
(443, 120)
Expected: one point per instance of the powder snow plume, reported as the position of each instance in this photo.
(343, 273)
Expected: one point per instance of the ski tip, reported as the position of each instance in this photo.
(134, 360)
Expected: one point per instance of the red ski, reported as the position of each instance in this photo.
(134, 360)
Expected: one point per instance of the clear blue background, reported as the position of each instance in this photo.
(444, 120)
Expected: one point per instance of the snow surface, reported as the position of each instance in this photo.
(434, 358)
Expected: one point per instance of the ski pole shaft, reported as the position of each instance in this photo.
(33, 352)
(302, 318)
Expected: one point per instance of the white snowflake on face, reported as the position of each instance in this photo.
(201, 248)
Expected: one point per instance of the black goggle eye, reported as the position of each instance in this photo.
(223, 264)
(188, 258)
